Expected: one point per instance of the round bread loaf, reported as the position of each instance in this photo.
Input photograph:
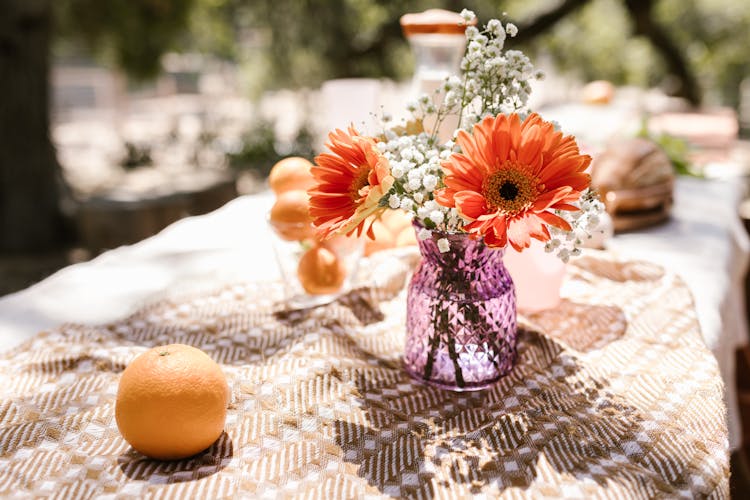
(631, 164)
(635, 179)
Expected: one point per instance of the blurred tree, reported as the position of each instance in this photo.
(293, 43)
(695, 49)
(29, 208)
(714, 36)
(644, 22)
(134, 33)
(130, 34)
(686, 47)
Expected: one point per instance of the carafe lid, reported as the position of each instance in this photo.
(434, 21)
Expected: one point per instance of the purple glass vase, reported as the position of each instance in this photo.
(460, 315)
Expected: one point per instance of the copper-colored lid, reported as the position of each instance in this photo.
(434, 21)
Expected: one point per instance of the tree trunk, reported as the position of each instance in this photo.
(547, 20)
(30, 217)
(641, 11)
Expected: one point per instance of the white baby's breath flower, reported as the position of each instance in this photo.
(468, 15)
(451, 99)
(415, 173)
(424, 234)
(494, 81)
(394, 202)
(507, 107)
(437, 217)
(407, 204)
(429, 182)
(494, 25)
(443, 245)
(551, 244)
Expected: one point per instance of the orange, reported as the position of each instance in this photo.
(290, 215)
(384, 238)
(291, 173)
(320, 271)
(598, 92)
(172, 402)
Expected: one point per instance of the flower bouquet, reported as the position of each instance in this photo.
(505, 176)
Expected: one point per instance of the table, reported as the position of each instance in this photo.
(706, 244)
(614, 395)
(226, 246)
(320, 402)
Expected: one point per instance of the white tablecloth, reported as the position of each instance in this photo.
(704, 242)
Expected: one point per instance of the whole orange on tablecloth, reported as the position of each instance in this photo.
(172, 402)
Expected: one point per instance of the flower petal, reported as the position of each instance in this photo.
(337, 205)
(470, 204)
(518, 234)
(553, 220)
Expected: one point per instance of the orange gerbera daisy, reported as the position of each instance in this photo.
(511, 176)
(350, 181)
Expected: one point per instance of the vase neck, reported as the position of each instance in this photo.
(463, 251)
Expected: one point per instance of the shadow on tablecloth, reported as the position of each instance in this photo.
(547, 424)
(204, 464)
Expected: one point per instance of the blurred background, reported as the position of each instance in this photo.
(119, 117)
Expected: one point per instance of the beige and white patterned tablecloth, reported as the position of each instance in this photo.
(614, 396)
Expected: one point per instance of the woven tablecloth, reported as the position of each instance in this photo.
(614, 395)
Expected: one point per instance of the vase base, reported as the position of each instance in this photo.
(470, 387)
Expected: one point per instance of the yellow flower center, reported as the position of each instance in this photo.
(510, 190)
(360, 181)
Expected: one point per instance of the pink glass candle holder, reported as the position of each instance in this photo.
(538, 276)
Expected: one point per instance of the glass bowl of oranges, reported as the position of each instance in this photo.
(314, 271)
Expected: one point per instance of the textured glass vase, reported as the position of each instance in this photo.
(460, 315)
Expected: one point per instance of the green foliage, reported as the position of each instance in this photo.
(293, 43)
(300, 43)
(676, 149)
(315, 40)
(597, 43)
(260, 149)
(133, 34)
(715, 35)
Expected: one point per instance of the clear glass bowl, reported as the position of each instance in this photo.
(314, 272)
